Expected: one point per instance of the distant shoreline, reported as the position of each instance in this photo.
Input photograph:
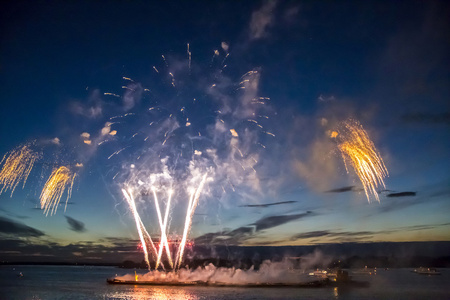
(344, 255)
(352, 262)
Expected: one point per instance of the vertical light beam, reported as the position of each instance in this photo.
(193, 202)
(163, 243)
(139, 225)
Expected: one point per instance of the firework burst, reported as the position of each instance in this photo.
(61, 179)
(17, 167)
(359, 151)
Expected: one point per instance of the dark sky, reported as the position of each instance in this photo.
(282, 181)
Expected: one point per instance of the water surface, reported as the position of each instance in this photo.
(76, 282)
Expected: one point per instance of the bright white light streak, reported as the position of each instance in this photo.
(193, 202)
(130, 200)
(163, 240)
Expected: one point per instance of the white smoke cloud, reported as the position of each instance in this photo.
(225, 46)
(132, 95)
(93, 109)
(268, 273)
(261, 20)
(318, 165)
(106, 129)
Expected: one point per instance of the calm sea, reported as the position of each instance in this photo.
(73, 282)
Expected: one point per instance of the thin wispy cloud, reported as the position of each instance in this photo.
(75, 225)
(339, 236)
(242, 234)
(274, 221)
(401, 194)
(268, 204)
(342, 189)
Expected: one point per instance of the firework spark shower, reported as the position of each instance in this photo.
(171, 133)
(359, 151)
(16, 168)
(185, 147)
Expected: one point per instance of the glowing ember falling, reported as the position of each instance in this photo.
(358, 150)
(16, 168)
(60, 179)
(193, 201)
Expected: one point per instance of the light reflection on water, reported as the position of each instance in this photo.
(156, 293)
(336, 292)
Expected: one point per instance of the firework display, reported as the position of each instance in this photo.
(59, 181)
(182, 137)
(358, 151)
(17, 166)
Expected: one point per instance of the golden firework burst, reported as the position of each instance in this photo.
(61, 179)
(359, 151)
(16, 168)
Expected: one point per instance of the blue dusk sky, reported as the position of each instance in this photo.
(138, 95)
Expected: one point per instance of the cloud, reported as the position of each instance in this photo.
(242, 234)
(119, 241)
(339, 236)
(436, 192)
(342, 189)
(267, 204)
(274, 221)
(261, 20)
(14, 215)
(401, 194)
(10, 227)
(75, 225)
(310, 234)
(423, 227)
(233, 237)
(353, 236)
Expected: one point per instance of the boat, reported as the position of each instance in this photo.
(426, 271)
(337, 278)
(365, 271)
(317, 283)
(143, 282)
(318, 273)
(341, 278)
